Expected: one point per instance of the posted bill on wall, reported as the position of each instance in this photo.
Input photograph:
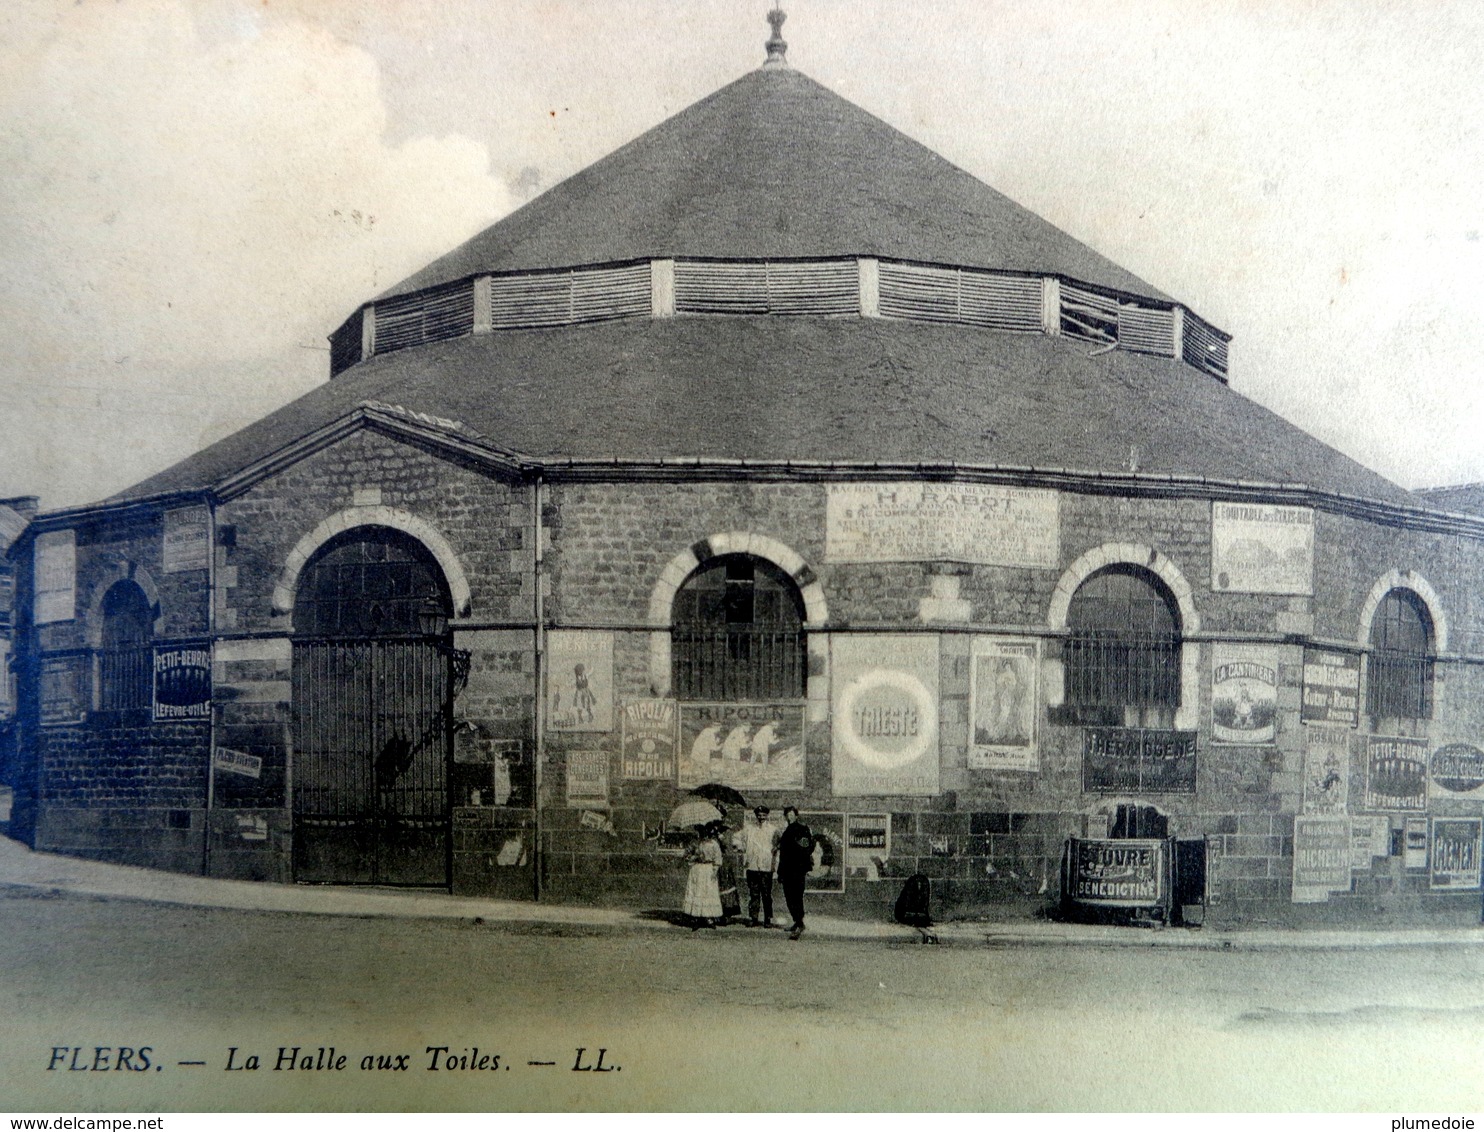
(1003, 698)
(1244, 693)
(828, 874)
(1326, 770)
(1414, 843)
(1456, 771)
(1118, 872)
(587, 780)
(1331, 687)
(1453, 854)
(186, 542)
(867, 845)
(885, 714)
(1396, 775)
(749, 746)
(929, 522)
(55, 577)
(1121, 760)
(182, 682)
(579, 680)
(1262, 549)
(1369, 838)
(1321, 857)
(647, 739)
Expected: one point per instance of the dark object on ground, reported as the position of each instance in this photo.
(913, 904)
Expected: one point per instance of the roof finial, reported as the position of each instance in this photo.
(777, 49)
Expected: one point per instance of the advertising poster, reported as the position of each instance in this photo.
(187, 540)
(1370, 837)
(867, 845)
(587, 780)
(828, 874)
(1118, 872)
(1396, 775)
(749, 746)
(182, 683)
(1321, 857)
(1244, 693)
(55, 579)
(489, 770)
(1456, 770)
(579, 680)
(1331, 687)
(1326, 770)
(1453, 854)
(1414, 844)
(884, 714)
(1003, 702)
(63, 689)
(1129, 760)
(1262, 549)
(228, 761)
(647, 739)
(928, 522)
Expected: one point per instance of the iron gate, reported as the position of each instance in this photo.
(372, 744)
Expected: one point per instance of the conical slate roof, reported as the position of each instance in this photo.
(774, 165)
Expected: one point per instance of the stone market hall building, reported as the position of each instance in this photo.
(772, 451)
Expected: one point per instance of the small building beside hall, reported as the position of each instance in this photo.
(772, 451)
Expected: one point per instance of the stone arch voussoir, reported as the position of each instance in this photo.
(378, 516)
(1417, 584)
(680, 567)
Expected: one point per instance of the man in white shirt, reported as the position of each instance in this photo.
(758, 840)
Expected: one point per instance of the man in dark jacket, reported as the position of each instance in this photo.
(795, 860)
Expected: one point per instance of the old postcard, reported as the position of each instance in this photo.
(708, 556)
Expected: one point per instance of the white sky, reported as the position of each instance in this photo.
(194, 193)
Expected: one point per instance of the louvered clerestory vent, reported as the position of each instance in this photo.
(865, 287)
(773, 287)
(1205, 346)
(429, 316)
(952, 294)
(524, 302)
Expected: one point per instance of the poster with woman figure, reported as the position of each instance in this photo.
(1003, 699)
(579, 681)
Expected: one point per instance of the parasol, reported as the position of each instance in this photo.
(721, 795)
(694, 811)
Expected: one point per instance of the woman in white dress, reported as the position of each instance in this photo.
(702, 893)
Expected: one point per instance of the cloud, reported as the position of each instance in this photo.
(171, 205)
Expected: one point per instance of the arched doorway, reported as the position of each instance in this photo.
(372, 713)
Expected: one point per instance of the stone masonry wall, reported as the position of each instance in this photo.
(992, 840)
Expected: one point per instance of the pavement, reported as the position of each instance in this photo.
(21, 867)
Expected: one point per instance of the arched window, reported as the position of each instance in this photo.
(738, 633)
(1122, 657)
(125, 657)
(1399, 684)
(372, 582)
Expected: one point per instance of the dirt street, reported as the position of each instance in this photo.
(721, 1020)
